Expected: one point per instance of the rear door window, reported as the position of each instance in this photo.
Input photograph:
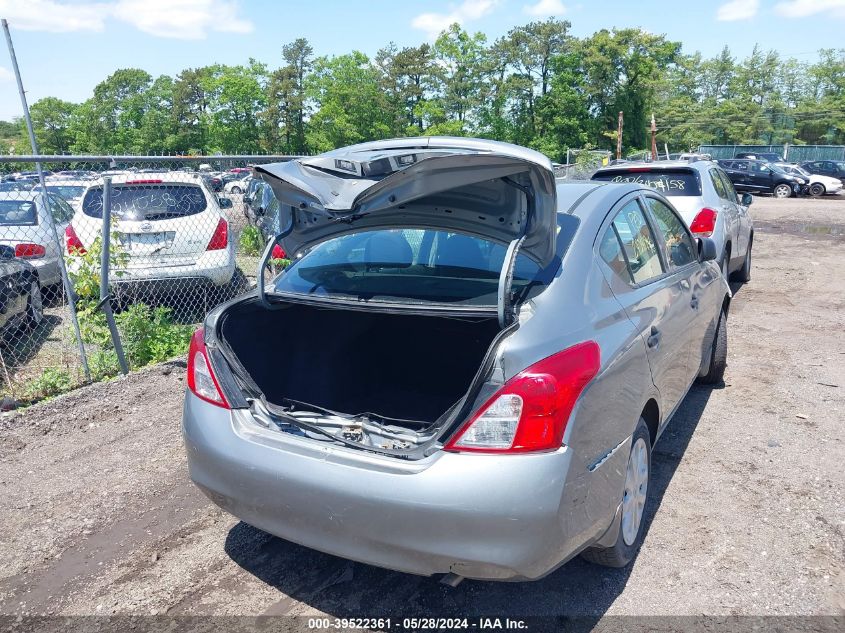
(729, 186)
(147, 201)
(61, 210)
(638, 244)
(718, 184)
(669, 182)
(677, 242)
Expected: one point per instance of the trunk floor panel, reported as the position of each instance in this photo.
(395, 365)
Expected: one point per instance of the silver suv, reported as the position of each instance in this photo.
(705, 197)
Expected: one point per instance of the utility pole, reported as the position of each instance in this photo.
(653, 138)
(69, 290)
(619, 138)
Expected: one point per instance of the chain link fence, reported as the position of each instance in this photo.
(582, 163)
(184, 234)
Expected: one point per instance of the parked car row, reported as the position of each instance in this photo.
(168, 226)
(479, 355)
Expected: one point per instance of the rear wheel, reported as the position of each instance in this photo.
(743, 275)
(718, 354)
(634, 499)
(816, 189)
(783, 191)
(34, 306)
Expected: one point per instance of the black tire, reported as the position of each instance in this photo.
(237, 285)
(34, 306)
(743, 275)
(622, 553)
(782, 191)
(817, 189)
(718, 354)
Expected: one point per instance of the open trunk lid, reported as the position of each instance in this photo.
(488, 189)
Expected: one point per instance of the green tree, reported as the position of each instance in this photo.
(52, 121)
(350, 105)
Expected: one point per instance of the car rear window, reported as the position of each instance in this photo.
(669, 182)
(18, 213)
(68, 192)
(147, 202)
(416, 265)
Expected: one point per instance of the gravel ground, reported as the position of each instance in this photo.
(97, 515)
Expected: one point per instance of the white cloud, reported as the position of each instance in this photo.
(805, 8)
(6, 75)
(545, 8)
(181, 19)
(467, 11)
(738, 10)
(55, 17)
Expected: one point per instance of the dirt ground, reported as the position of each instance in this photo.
(747, 515)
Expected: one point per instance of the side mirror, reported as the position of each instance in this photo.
(6, 252)
(746, 199)
(224, 203)
(706, 249)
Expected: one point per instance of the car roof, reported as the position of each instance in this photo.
(166, 177)
(584, 199)
(660, 164)
(20, 195)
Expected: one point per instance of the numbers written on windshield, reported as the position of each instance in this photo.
(662, 183)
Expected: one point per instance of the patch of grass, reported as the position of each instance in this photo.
(251, 241)
(51, 382)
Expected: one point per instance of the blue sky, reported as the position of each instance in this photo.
(65, 47)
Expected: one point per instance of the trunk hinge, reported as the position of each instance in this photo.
(506, 311)
(265, 258)
(505, 306)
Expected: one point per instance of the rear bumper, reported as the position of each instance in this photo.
(478, 516)
(48, 270)
(215, 267)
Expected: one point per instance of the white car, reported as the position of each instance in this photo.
(169, 226)
(26, 226)
(237, 187)
(68, 189)
(819, 184)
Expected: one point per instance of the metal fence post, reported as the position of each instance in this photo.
(69, 291)
(105, 263)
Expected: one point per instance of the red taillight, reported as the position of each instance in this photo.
(704, 223)
(201, 379)
(73, 244)
(278, 252)
(220, 239)
(145, 181)
(530, 412)
(29, 251)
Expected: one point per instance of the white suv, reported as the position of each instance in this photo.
(705, 197)
(169, 226)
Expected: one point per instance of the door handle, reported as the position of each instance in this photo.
(654, 338)
(694, 302)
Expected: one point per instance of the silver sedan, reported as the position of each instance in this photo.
(465, 368)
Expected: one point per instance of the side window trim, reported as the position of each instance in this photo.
(630, 279)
